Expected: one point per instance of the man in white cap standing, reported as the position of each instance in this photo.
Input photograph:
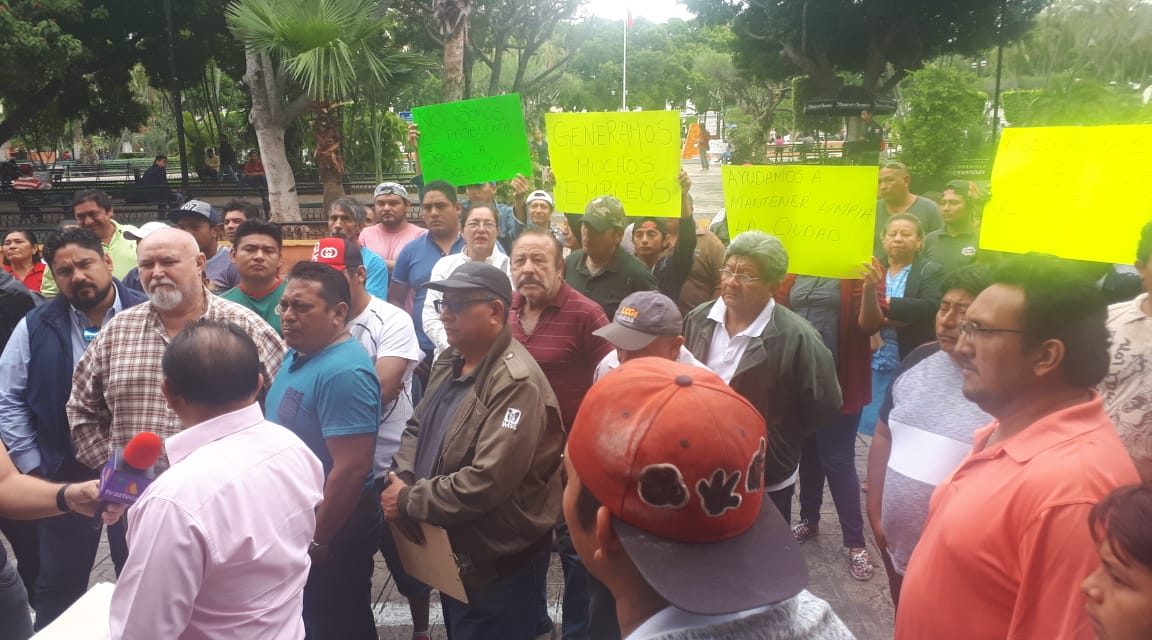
(535, 208)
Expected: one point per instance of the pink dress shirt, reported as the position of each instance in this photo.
(218, 544)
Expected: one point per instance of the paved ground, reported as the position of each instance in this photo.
(864, 606)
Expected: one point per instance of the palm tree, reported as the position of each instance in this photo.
(327, 48)
(451, 19)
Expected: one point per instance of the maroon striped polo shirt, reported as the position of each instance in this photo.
(563, 345)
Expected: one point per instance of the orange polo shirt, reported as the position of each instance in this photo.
(1006, 543)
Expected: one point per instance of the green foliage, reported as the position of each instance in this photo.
(669, 63)
(1105, 40)
(73, 57)
(942, 122)
(1072, 101)
(371, 134)
(819, 38)
(328, 46)
(748, 142)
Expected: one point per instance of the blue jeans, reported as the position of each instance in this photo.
(831, 453)
(505, 608)
(24, 538)
(871, 413)
(68, 546)
(338, 594)
(576, 595)
(15, 623)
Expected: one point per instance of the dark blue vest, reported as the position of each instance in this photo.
(50, 376)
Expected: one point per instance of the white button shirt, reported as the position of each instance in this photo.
(218, 544)
(725, 352)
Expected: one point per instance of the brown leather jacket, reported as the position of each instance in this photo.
(496, 485)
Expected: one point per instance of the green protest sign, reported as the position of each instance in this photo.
(473, 141)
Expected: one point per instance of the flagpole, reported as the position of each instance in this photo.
(624, 86)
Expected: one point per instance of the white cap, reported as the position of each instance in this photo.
(141, 232)
(541, 195)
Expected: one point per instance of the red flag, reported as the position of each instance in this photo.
(628, 21)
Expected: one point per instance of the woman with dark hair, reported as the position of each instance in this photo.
(1118, 595)
(913, 290)
(22, 258)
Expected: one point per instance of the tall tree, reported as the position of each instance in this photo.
(73, 57)
(451, 19)
(322, 48)
(879, 40)
(512, 33)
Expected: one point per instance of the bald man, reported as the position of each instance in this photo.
(116, 387)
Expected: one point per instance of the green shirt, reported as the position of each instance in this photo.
(267, 306)
(120, 249)
(622, 277)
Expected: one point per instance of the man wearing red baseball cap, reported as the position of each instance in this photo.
(665, 503)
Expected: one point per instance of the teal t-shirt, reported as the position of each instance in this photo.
(267, 307)
(329, 394)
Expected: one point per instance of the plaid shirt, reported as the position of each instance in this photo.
(116, 386)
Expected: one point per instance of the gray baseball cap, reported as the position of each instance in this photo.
(196, 208)
(641, 318)
(390, 188)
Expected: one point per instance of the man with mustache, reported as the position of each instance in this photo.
(116, 388)
(33, 392)
(555, 323)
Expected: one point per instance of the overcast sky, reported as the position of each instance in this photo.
(652, 10)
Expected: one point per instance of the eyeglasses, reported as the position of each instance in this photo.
(89, 334)
(476, 224)
(740, 278)
(974, 331)
(456, 307)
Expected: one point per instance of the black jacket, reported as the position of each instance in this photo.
(918, 306)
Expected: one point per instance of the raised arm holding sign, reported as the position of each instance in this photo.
(824, 216)
(473, 141)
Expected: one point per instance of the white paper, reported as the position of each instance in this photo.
(86, 619)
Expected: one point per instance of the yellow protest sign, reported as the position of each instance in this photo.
(1082, 193)
(824, 216)
(634, 156)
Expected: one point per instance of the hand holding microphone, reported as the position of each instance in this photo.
(128, 473)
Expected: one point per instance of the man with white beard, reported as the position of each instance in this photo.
(116, 387)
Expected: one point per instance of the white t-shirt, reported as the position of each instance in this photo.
(386, 331)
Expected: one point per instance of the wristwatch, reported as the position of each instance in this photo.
(61, 503)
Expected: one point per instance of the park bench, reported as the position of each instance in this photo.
(34, 205)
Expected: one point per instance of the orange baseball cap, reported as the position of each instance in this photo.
(678, 457)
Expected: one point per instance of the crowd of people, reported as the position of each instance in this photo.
(631, 393)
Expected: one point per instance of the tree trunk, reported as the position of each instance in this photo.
(267, 118)
(453, 84)
(329, 161)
